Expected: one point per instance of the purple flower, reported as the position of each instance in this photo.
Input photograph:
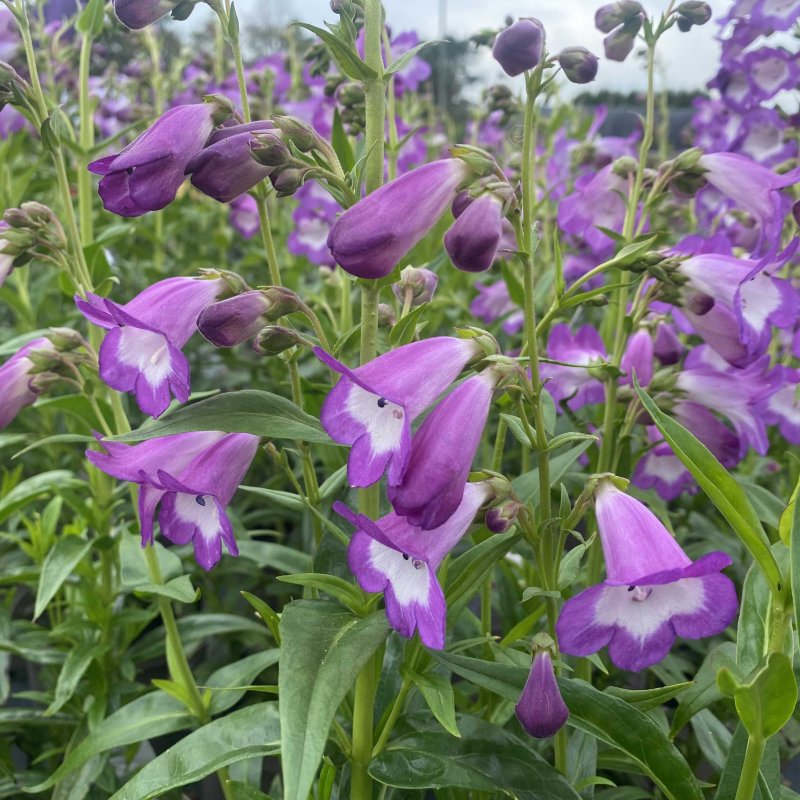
(138, 14)
(754, 188)
(141, 353)
(193, 477)
(372, 236)
(400, 560)
(473, 239)
(492, 302)
(638, 358)
(660, 469)
(15, 377)
(244, 216)
(147, 174)
(652, 593)
(442, 452)
(519, 47)
(579, 65)
(419, 282)
(782, 408)
(6, 259)
(372, 407)
(574, 384)
(769, 71)
(312, 221)
(225, 167)
(667, 347)
(541, 710)
(235, 320)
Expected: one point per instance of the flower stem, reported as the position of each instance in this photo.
(752, 763)
(86, 142)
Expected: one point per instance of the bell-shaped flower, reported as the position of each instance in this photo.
(16, 391)
(192, 477)
(370, 238)
(141, 353)
(225, 167)
(372, 407)
(138, 14)
(520, 46)
(754, 188)
(638, 358)
(147, 174)
(442, 452)
(574, 384)
(474, 238)
(660, 469)
(541, 710)
(653, 592)
(392, 556)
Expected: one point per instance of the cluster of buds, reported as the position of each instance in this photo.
(416, 286)
(30, 231)
(352, 100)
(500, 98)
(663, 268)
(621, 21)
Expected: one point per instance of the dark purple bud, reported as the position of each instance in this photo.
(372, 236)
(183, 10)
(138, 14)
(541, 710)
(613, 15)
(618, 45)
(667, 347)
(419, 282)
(579, 65)
(520, 46)
(693, 12)
(462, 200)
(235, 320)
(474, 237)
(501, 517)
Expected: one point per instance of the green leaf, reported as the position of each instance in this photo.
(403, 332)
(247, 411)
(608, 718)
(90, 20)
(57, 567)
(630, 253)
(401, 62)
(323, 648)
(77, 662)
(438, 694)
(485, 759)
(240, 673)
(794, 557)
(527, 486)
(59, 438)
(29, 489)
(278, 557)
(179, 589)
(338, 588)
(285, 499)
(233, 24)
(645, 699)
(751, 631)
(134, 571)
(244, 791)
(723, 491)
(153, 715)
(765, 704)
(270, 618)
(346, 58)
(341, 143)
(247, 733)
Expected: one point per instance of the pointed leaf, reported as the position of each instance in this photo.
(57, 567)
(401, 62)
(346, 58)
(438, 694)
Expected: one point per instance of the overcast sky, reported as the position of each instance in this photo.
(688, 59)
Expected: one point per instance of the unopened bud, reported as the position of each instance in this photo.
(692, 12)
(288, 180)
(419, 282)
(183, 10)
(613, 15)
(688, 158)
(275, 339)
(520, 46)
(270, 150)
(619, 43)
(502, 517)
(235, 320)
(223, 107)
(299, 133)
(486, 342)
(351, 94)
(386, 316)
(579, 65)
(64, 339)
(624, 166)
(478, 160)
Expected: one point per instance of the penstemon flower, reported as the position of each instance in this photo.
(141, 353)
(541, 710)
(391, 556)
(372, 407)
(653, 592)
(16, 390)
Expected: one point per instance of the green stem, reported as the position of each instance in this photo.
(86, 141)
(361, 753)
(752, 763)
(269, 243)
(394, 714)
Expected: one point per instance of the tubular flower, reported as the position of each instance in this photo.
(653, 592)
(193, 477)
(391, 556)
(520, 46)
(473, 239)
(141, 353)
(442, 452)
(15, 380)
(372, 407)
(147, 174)
(370, 238)
(541, 710)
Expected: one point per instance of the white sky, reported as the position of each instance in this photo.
(688, 59)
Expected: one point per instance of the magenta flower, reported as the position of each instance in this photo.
(225, 167)
(541, 710)
(400, 560)
(147, 174)
(370, 238)
(372, 407)
(15, 380)
(141, 353)
(193, 477)
(653, 592)
(574, 384)
(661, 470)
(493, 302)
(474, 238)
(519, 47)
(442, 452)
(235, 320)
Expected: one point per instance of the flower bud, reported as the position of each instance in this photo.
(235, 320)
(541, 710)
(579, 65)
(667, 347)
(519, 47)
(275, 339)
(183, 10)
(419, 282)
(692, 12)
(223, 108)
(386, 316)
(473, 239)
(64, 339)
(502, 517)
(288, 180)
(619, 43)
(624, 166)
(299, 133)
(613, 15)
(270, 150)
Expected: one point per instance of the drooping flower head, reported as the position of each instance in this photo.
(519, 47)
(193, 477)
(372, 407)
(141, 353)
(473, 239)
(391, 556)
(653, 592)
